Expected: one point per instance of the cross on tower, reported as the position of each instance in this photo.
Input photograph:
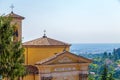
(44, 34)
(12, 7)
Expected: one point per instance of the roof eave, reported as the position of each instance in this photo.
(44, 45)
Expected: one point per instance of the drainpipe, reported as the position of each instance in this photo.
(27, 56)
(34, 75)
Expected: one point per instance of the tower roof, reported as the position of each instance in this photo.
(13, 15)
(45, 41)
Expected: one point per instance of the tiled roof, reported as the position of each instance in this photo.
(55, 56)
(45, 41)
(13, 15)
(31, 69)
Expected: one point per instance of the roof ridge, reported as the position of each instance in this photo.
(59, 41)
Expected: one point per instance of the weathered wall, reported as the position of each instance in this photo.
(35, 54)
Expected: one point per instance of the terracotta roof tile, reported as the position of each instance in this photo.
(45, 41)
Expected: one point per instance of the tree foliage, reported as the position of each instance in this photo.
(111, 77)
(91, 77)
(11, 53)
(104, 74)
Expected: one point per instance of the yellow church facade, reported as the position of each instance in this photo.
(50, 59)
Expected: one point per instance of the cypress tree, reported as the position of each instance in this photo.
(104, 74)
(11, 53)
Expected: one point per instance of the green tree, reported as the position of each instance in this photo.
(104, 74)
(11, 53)
(91, 77)
(118, 62)
(105, 55)
(111, 77)
(93, 67)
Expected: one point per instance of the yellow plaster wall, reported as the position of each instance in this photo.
(35, 54)
(52, 69)
(32, 77)
(68, 78)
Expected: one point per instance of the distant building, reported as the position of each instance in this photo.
(50, 59)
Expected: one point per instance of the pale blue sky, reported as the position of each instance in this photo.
(72, 21)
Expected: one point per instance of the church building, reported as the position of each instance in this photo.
(50, 59)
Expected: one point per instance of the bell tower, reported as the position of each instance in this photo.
(17, 21)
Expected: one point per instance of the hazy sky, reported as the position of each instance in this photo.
(72, 21)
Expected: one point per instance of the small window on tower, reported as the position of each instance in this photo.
(16, 33)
